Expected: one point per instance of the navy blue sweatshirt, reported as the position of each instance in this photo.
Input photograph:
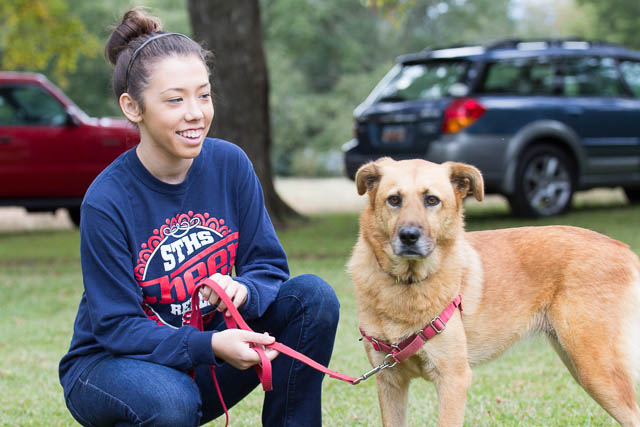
(145, 244)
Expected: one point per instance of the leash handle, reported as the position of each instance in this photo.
(263, 369)
(236, 321)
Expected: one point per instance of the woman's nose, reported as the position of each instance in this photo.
(194, 112)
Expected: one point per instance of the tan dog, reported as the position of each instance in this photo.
(413, 257)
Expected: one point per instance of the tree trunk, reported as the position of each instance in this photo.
(233, 31)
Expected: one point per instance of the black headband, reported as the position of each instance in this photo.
(137, 51)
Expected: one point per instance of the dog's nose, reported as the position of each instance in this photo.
(409, 235)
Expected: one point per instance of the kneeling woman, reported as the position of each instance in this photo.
(177, 208)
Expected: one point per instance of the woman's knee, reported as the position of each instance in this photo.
(317, 296)
(173, 408)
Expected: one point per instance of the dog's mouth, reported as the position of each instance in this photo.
(412, 252)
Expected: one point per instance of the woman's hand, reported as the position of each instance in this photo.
(234, 347)
(236, 291)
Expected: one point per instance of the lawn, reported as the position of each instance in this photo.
(40, 281)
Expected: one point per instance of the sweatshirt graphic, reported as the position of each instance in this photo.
(185, 250)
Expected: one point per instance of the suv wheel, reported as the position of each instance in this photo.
(544, 184)
(633, 194)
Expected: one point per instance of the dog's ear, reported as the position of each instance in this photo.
(369, 175)
(466, 180)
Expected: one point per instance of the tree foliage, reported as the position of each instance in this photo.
(37, 35)
(615, 20)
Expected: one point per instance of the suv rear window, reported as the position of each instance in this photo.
(570, 76)
(590, 76)
(429, 80)
(519, 77)
(631, 72)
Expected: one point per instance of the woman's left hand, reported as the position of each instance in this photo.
(236, 291)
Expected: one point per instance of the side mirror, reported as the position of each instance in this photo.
(72, 118)
(458, 90)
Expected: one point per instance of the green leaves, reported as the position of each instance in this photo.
(615, 20)
(36, 35)
(393, 10)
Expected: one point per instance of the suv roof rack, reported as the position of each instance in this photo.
(522, 44)
(567, 42)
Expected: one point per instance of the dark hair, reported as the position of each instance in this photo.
(131, 62)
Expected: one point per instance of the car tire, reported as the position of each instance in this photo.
(544, 182)
(633, 194)
(74, 214)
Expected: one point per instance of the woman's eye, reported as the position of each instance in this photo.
(431, 201)
(394, 201)
(174, 100)
(205, 96)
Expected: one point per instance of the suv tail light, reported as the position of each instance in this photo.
(460, 114)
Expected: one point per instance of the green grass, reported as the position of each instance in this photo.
(40, 282)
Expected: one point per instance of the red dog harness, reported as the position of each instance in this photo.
(408, 347)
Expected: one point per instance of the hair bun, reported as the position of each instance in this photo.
(135, 23)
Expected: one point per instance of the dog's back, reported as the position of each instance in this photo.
(552, 279)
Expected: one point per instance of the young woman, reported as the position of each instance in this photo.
(178, 208)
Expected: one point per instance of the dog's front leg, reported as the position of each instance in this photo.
(452, 376)
(393, 390)
(393, 396)
(452, 395)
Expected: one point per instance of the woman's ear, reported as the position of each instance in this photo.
(130, 108)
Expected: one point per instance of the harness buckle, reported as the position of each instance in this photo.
(444, 325)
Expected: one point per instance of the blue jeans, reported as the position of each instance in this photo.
(125, 391)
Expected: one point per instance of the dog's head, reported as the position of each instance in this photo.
(415, 205)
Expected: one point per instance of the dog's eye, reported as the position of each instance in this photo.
(431, 201)
(394, 201)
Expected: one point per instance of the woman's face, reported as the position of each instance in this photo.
(177, 108)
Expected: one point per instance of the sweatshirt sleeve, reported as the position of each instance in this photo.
(114, 300)
(261, 262)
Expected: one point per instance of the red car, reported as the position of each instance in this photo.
(50, 150)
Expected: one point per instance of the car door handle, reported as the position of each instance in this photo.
(4, 139)
(575, 111)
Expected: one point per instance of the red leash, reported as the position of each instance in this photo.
(396, 353)
(236, 321)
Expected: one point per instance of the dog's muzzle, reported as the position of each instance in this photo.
(409, 242)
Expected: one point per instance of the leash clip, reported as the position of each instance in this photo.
(384, 365)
